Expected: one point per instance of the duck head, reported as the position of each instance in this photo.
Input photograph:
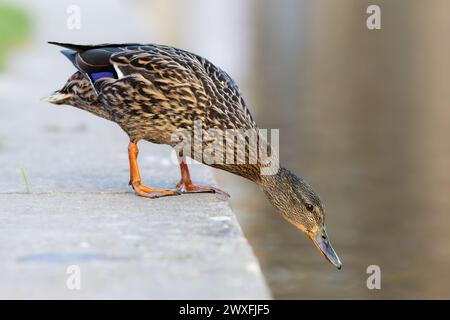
(298, 203)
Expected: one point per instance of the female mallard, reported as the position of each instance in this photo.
(152, 91)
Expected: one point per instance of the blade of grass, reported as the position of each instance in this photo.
(24, 176)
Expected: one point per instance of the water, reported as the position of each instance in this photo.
(365, 117)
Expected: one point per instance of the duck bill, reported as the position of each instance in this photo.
(321, 241)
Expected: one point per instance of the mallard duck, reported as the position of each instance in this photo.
(151, 91)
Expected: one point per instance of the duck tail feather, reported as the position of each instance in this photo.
(71, 46)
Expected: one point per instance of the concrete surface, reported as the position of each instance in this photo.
(81, 210)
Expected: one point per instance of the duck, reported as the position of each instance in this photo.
(162, 94)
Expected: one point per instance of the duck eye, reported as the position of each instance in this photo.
(309, 207)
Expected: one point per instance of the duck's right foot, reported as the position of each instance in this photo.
(135, 178)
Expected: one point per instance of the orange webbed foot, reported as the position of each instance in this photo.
(185, 184)
(147, 192)
(135, 178)
(192, 188)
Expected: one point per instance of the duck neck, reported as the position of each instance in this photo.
(274, 186)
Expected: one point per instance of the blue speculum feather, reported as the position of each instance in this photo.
(99, 75)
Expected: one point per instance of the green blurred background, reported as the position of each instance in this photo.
(363, 115)
(15, 28)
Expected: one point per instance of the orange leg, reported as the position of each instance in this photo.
(185, 184)
(135, 177)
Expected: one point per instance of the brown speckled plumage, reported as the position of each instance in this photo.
(164, 89)
(151, 91)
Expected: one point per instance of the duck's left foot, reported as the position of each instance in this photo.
(185, 184)
(192, 188)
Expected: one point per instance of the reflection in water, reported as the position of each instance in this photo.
(363, 115)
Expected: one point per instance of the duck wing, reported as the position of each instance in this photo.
(189, 79)
(197, 88)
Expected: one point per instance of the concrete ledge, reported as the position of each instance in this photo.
(125, 247)
(81, 210)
